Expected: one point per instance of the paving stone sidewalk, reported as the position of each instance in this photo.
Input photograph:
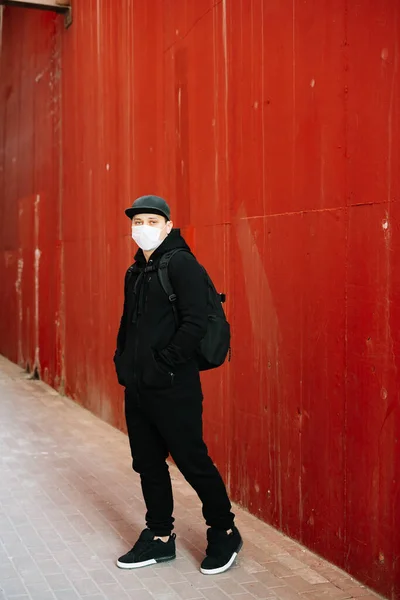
(70, 504)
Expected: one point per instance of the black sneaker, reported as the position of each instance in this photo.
(221, 551)
(148, 551)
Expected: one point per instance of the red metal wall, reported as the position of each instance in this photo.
(30, 193)
(274, 130)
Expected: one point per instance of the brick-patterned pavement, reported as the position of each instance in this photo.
(70, 505)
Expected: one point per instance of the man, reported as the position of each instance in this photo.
(155, 362)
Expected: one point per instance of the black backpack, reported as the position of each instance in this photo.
(215, 345)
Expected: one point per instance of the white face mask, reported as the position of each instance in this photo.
(147, 237)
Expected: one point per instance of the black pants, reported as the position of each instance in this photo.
(161, 427)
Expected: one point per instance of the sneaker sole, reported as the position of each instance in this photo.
(224, 567)
(144, 563)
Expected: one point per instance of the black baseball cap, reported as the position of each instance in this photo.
(149, 204)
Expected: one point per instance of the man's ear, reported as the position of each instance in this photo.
(170, 226)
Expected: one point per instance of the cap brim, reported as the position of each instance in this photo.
(131, 212)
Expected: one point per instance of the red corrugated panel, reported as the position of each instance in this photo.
(30, 130)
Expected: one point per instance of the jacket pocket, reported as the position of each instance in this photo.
(157, 375)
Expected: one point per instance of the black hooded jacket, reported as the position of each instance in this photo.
(153, 356)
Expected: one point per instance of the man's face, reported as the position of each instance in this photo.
(153, 221)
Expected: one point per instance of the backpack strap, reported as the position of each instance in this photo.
(166, 282)
(129, 273)
(133, 269)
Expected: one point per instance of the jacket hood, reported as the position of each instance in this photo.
(173, 241)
